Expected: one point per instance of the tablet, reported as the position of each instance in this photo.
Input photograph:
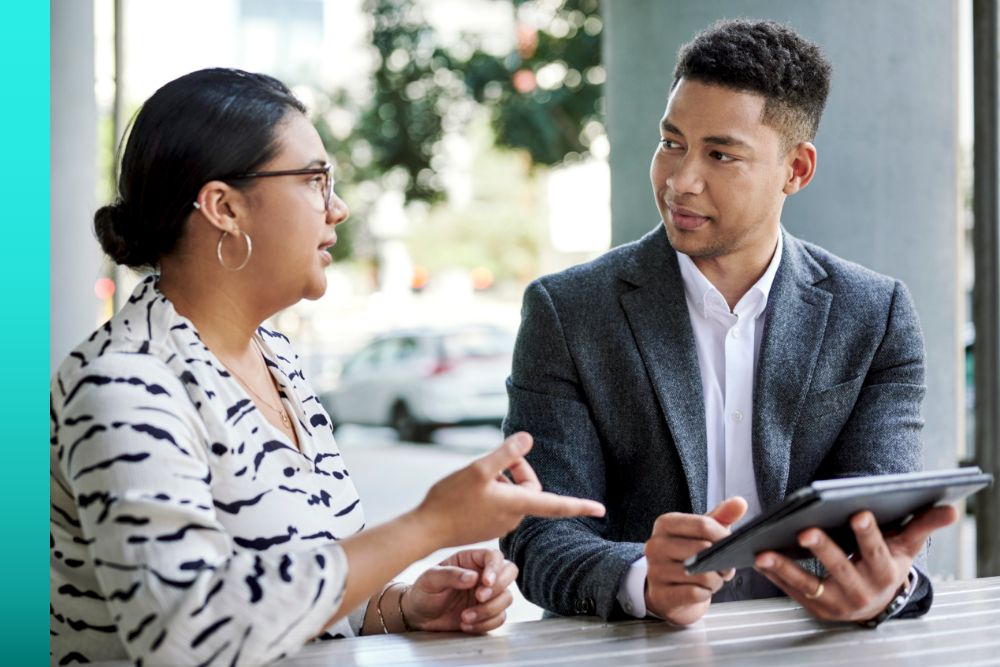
(829, 504)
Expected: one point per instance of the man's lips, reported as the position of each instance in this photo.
(685, 218)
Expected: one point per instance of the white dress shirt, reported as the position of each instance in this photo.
(728, 345)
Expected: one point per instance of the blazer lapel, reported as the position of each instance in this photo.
(793, 333)
(658, 317)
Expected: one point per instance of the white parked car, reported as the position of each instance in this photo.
(416, 380)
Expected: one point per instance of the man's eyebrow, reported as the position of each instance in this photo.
(726, 140)
(715, 140)
(667, 126)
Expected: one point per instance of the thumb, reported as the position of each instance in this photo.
(729, 511)
(442, 578)
(914, 536)
(504, 456)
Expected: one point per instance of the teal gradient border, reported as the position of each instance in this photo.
(24, 274)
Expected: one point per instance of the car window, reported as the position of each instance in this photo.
(478, 343)
(369, 358)
(408, 348)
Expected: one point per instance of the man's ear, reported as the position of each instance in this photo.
(221, 205)
(801, 161)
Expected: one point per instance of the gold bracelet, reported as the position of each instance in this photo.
(378, 606)
(406, 626)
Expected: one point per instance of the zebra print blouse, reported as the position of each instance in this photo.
(185, 528)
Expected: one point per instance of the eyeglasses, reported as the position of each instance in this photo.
(326, 171)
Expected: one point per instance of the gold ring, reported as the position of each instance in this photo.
(819, 592)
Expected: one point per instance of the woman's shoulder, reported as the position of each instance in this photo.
(140, 336)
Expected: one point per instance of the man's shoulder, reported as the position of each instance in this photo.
(844, 277)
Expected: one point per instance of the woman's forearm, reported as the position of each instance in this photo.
(375, 556)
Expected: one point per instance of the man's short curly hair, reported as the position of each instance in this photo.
(768, 59)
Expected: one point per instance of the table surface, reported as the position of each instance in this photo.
(962, 628)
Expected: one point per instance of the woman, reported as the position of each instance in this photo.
(201, 512)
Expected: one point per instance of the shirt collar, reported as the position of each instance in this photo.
(705, 297)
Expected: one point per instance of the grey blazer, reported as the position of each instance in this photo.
(605, 377)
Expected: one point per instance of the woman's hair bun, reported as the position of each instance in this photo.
(116, 234)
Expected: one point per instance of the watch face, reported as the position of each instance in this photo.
(895, 605)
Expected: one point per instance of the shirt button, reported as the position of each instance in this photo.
(739, 581)
(737, 416)
(628, 607)
(735, 333)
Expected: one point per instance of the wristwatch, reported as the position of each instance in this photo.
(896, 604)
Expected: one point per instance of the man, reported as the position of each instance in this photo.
(719, 363)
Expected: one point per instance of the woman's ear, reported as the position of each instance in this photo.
(221, 205)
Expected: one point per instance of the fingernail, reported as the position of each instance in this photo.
(488, 578)
(468, 576)
(809, 539)
(864, 522)
(766, 562)
(468, 616)
(484, 593)
(466, 627)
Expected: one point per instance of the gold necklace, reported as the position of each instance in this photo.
(286, 422)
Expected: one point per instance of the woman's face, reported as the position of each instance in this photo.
(291, 232)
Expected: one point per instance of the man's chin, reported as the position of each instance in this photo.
(683, 241)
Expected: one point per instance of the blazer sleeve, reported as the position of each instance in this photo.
(883, 433)
(177, 588)
(567, 566)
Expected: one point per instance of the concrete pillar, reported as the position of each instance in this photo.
(74, 258)
(886, 192)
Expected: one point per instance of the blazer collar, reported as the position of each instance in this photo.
(657, 314)
(796, 321)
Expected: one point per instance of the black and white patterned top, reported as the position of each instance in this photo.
(185, 528)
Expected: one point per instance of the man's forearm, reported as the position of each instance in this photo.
(568, 569)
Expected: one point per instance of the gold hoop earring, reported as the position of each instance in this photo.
(218, 251)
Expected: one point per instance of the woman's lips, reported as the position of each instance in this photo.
(323, 251)
(684, 218)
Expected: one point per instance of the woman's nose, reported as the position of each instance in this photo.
(338, 211)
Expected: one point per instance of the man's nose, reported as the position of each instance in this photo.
(685, 176)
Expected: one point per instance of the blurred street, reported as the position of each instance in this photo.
(392, 477)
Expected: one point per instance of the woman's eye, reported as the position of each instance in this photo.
(316, 182)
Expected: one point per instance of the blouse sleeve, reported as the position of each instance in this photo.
(177, 591)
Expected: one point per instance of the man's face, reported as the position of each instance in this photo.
(719, 174)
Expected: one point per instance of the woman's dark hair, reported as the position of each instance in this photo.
(768, 59)
(205, 125)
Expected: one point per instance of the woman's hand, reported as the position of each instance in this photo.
(467, 592)
(479, 503)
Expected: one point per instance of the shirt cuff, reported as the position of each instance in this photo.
(632, 589)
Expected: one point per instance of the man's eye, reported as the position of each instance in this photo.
(668, 144)
(721, 157)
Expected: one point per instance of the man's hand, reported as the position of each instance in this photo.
(859, 587)
(671, 594)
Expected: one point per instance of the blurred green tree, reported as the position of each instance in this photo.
(546, 96)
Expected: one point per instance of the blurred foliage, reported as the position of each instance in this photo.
(547, 93)
(504, 227)
(544, 97)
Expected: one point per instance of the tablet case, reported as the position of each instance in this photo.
(829, 504)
